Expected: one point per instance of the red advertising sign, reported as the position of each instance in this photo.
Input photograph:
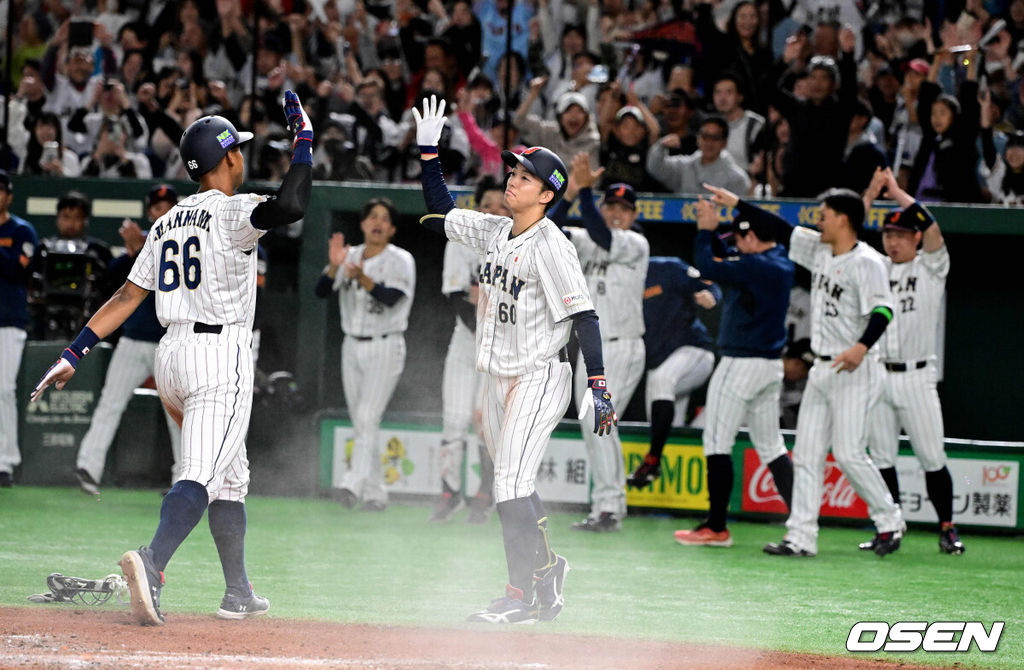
(760, 494)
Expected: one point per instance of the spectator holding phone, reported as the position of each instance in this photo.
(45, 152)
(112, 158)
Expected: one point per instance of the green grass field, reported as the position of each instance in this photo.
(316, 560)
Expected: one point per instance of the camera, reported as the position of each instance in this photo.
(65, 291)
(80, 33)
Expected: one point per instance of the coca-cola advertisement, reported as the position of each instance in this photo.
(760, 495)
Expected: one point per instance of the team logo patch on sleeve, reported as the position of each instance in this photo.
(573, 299)
(226, 139)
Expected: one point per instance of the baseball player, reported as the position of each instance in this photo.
(375, 282)
(17, 247)
(460, 391)
(757, 276)
(200, 260)
(851, 305)
(132, 361)
(532, 292)
(679, 357)
(909, 398)
(614, 259)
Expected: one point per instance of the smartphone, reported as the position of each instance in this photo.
(50, 151)
(114, 132)
(80, 33)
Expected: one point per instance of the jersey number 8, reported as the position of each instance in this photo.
(170, 276)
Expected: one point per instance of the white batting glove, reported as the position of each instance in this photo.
(430, 123)
(59, 373)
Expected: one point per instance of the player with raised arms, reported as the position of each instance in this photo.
(200, 259)
(532, 293)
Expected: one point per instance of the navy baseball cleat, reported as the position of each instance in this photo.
(6, 481)
(238, 607)
(949, 541)
(786, 548)
(144, 584)
(646, 474)
(886, 543)
(548, 587)
(508, 609)
(605, 523)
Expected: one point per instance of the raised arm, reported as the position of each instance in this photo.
(435, 191)
(289, 203)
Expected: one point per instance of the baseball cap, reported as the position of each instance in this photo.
(630, 110)
(5, 180)
(543, 164)
(1015, 139)
(161, 193)
(744, 226)
(919, 65)
(621, 192)
(569, 99)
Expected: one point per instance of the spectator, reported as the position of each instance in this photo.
(624, 150)
(739, 50)
(818, 125)
(68, 74)
(109, 103)
(511, 97)
(493, 15)
(883, 97)
(1004, 175)
(744, 125)
(439, 58)
(559, 59)
(45, 152)
(27, 105)
(374, 134)
(581, 80)
(766, 168)
(906, 125)
(464, 34)
(573, 131)
(709, 164)
(113, 158)
(486, 147)
(863, 153)
(944, 168)
(677, 111)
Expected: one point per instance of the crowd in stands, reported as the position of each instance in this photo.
(764, 97)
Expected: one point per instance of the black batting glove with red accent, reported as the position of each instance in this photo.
(604, 411)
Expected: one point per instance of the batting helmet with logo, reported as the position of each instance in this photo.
(205, 142)
(543, 164)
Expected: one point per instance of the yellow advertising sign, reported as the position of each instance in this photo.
(683, 483)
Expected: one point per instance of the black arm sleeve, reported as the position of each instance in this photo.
(435, 192)
(559, 214)
(386, 294)
(877, 324)
(464, 310)
(589, 335)
(593, 221)
(324, 285)
(783, 229)
(289, 205)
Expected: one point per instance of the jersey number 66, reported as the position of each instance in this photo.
(170, 275)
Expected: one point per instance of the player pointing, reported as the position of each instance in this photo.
(909, 398)
(200, 259)
(532, 292)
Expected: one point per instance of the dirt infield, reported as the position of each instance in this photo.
(61, 636)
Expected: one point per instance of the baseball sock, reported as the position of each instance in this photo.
(181, 510)
(519, 531)
(893, 482)
(782, 473)
(939, 484)
(719, 489)
(227, 525)
(662, 413)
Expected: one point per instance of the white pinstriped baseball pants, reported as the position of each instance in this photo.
(12, 344)
(623, 367)
(131, 363)
(370, 370)
(460, 395)
(208, 378)
(744, 388)
(909, 400)
(519, 415)
(677, 377)
(834, 411)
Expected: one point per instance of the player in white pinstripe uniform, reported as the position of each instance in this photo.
(460, 389)
(375, 282)
(132, 361)
(851, 305)
(200, 259)
(909, 397)
(17, 247)
(533, 293)
(614, 259)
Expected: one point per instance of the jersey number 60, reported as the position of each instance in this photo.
(170, 276)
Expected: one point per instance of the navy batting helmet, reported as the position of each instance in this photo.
(543, 164)
(205, 142)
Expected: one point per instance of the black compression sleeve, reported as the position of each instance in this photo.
(879, 320)
(386, 294)
(435, 192)
(289, 204)
(598, 230)
(465, 311)
(589, 335)
(323, 286)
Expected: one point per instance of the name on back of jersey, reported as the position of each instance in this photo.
(499, 277)
(198, 218)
